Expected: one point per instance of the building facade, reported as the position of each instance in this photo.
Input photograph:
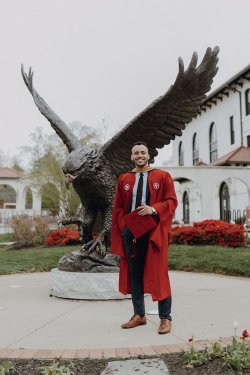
(211, 160)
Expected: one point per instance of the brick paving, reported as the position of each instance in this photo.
(133, 352)
(148, 350)
(109, 353)
(96, 353)
(56, 354)
(82, 353)
(225, 341)
(122, 353)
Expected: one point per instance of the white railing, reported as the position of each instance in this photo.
(7, 214)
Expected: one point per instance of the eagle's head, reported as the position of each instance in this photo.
(80, 162)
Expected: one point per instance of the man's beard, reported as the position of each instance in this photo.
(141, 165)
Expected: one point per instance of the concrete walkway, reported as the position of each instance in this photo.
(35, 325)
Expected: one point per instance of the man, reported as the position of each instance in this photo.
(144, 262)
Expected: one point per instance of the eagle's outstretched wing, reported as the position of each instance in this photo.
(165, 118)
(57, 124)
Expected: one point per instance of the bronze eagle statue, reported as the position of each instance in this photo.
(94, 172)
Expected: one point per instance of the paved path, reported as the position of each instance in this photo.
(32, 324)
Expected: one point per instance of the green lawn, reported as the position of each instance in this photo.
(5, 237)
(211, 259)
(32, 259)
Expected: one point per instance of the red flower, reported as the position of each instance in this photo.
(62, 237)
(213, 232)
(244, 334)
(191, 340)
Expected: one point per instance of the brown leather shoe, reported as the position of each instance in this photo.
(165, 326)
(135, 321)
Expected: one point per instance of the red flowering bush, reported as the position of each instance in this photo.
(212, 232)
(186, 235)
(63, 236)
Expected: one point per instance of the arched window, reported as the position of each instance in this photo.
(181, 154)
(247, 99)
(248, 140)
(7, 197)
(225, 213)
(185, 208)
(195, 149)
(213, 143)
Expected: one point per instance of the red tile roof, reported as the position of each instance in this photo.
(240, 155)
(10, 173)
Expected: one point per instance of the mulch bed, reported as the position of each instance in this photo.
(176, 363)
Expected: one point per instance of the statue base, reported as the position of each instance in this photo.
(85, 285)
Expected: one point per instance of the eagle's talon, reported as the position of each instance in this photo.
(94, 245)
(100, 244)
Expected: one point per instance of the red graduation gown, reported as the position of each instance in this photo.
(163, 199)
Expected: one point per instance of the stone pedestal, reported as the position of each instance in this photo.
(85, 285)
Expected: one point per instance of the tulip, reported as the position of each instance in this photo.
(244, 334)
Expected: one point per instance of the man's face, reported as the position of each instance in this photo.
(140, 155)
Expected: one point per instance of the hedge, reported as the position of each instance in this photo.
(211, 232)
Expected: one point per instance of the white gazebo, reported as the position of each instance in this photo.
(17, 196)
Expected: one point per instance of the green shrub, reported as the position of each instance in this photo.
(56, 369)
(5, 368)
(235, 356)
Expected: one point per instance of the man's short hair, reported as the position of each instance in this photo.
(139, 143)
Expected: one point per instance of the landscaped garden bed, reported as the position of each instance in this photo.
(233, 359)
(209, 232)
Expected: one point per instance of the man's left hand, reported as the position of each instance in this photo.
(144, 210)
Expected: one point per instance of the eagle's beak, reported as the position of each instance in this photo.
(68, 179)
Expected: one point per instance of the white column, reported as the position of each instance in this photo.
(37, 201)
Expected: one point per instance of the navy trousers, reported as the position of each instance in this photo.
(136, 269)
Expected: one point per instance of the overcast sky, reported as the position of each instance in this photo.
(107, 59)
